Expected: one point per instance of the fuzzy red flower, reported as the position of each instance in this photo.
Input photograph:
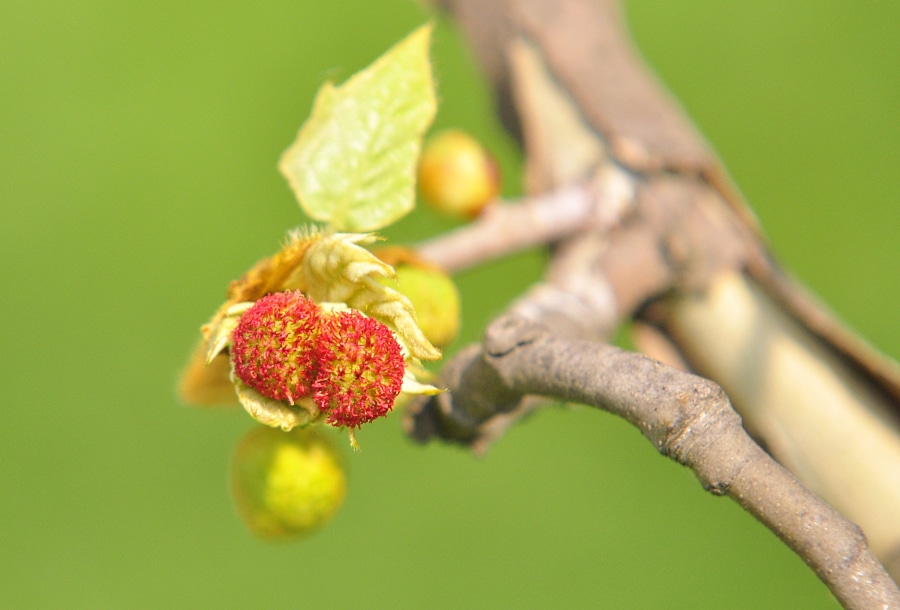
(288, 348)
(361, 370)
(276, 346)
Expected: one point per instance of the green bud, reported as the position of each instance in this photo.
(431, 290)
(287, 484)
(435, 299)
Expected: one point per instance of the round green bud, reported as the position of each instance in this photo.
(287, 484)
(456, 175)
(431, 290)
(435, 299)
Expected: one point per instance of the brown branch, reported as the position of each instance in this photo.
(687, 418)
(682, 254)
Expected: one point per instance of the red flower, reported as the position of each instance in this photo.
(361, 370)
(288, 348)
(276, 345)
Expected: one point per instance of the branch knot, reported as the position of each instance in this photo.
(510, 332)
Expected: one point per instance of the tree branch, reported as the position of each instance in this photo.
(679, 251)
(687, 418)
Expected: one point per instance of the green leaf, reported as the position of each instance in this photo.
(353, 162)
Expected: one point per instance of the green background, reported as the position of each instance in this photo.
(138, 144)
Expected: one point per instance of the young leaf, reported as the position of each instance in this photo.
(353, 162)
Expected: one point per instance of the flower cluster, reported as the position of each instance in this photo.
(320, 332)
(312, 335)
(290, 349)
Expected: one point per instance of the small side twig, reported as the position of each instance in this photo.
(505, 228)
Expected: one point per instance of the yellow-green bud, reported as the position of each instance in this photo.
(430, 289)
(287, 484)
(456, 175)
(435, 299)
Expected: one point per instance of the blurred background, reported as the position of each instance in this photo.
(138, 144)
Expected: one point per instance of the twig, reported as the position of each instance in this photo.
(508, 227)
